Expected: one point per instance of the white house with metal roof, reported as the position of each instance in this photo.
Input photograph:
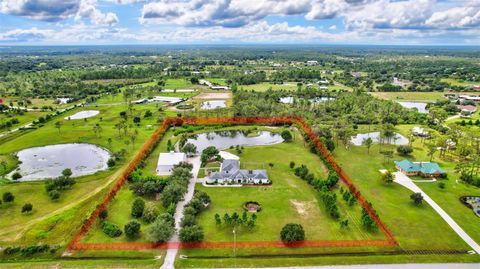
(167, 160)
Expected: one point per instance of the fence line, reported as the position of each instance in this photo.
(263, 120)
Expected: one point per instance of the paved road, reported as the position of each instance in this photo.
(405, 181)
(388, 266)
(172, 252)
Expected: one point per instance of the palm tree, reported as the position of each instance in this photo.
(58, 125)
(431, 150)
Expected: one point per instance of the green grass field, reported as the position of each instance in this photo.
(27, 117)
(50, 219)
(455, 82)
(288, 199)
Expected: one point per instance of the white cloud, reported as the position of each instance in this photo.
(57, 10)
(467, 15)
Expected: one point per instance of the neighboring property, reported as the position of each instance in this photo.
(467, 110)
(424, 169)
(471, 98)
(211, 86)
(420, 132)
(164, 99)
(312, 63)
(230, 173)
(167, 160)
(400, 82)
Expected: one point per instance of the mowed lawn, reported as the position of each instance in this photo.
(415, 227)
(119, 213)
(287, 200)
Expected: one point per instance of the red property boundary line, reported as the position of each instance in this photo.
(75, 244)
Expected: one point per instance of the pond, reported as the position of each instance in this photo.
(83, 114)
(212, 104)
(224, 139)
(49, 161)
(399, 139)
(421, 107)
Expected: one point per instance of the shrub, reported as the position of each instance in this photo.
(27, 208)
(111, 162)
(192, 233)
(417, 198)
(54, 195)
(441, 185)
(8, 197)
(150, 213)
(404, 150)
(103, 214)
(111, 229)
(292, 232)
(16, 176)
(137, 208)
(188, 220)
(292, 164)
(160, 231)
(132, 229)
(287, 136)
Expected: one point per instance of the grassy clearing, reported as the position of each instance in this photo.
(37, 224)
(288, 199)
(27, 117)
(264, 86)
(119, 213)
(455, 82)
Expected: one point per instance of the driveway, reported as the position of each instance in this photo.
(405, 181)
(172, 252)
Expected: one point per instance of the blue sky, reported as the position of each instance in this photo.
(71, 22)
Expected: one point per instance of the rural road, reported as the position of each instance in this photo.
(405, 181)
(172, 252)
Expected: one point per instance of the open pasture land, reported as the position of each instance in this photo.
(53, 221)
(416, 96)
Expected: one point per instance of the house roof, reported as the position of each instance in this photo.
(171, 158)
(423, 167)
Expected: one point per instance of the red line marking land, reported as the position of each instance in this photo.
(75, 244)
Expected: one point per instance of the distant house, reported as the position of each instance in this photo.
(418, 131)
(312, 62)
(220, 88)
(424, 169)
(230, 173)
(400, 82)
(167, 160)
(471, 98)
(467, 110)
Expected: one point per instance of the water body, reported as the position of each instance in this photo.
(224, 139)
(212, 104)
(49, 161)
(83, 114)
(421, 107)
(399, 139)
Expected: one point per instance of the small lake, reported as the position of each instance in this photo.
(399, 139)
(83, 114)
(224, 139)
(421, 107)
(212, 104)
(49, 161)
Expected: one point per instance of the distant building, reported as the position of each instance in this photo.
(400, 82)
(418, 131)
(230, 173)
(467, 110)
(470, 98)
(220, 88)
(312, 62)
(424, 169)
(166, 162)
(356, 74)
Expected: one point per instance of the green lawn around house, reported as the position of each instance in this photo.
(392, 201)
(288, 199)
